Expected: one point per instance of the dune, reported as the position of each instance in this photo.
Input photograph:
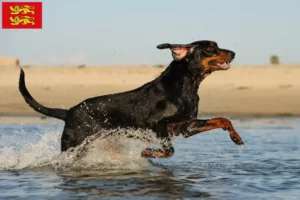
(239, 91)
(4, 61)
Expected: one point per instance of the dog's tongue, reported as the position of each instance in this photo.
(224, 65)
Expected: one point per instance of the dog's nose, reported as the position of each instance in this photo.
(232, 54)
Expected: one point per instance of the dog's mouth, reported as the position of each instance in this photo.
(222, 65)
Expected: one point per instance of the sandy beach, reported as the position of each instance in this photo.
(239, 91)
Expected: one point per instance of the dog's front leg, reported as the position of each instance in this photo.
(166, 151)
(197, 126)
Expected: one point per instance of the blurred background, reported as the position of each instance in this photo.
(91, 48)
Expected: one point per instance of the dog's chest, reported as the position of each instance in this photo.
(188, 107)
(179, 110)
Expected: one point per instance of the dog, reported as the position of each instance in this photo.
(167, 105)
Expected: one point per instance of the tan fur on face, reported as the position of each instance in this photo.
(218, 58)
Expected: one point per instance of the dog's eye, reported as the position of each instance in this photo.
(208, 51)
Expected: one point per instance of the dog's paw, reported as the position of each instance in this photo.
(147, 153)
(236, 138)
(154, 153)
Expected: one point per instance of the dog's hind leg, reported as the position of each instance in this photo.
(71, 138)
(65, 141)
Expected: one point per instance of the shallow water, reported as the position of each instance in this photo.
(207, 165)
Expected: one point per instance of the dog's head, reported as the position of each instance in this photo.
(201, 54)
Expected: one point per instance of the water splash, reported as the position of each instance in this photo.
(97, 152)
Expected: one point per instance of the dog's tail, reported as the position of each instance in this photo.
(51, 112)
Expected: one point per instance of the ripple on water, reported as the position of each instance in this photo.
(206, 165)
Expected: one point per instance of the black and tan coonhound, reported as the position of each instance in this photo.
(167, 105)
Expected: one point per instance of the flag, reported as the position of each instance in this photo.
(22, 15)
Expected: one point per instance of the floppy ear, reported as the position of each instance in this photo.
(179, 51)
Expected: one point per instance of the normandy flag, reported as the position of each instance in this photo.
(21, 15)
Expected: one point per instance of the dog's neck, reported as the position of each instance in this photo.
(182, 74)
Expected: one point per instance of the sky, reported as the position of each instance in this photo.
(126, 32)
